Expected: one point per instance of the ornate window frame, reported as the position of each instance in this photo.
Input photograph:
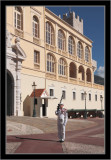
(61, 40)
(49, 33)
(79, 49)
(62, 66)
(87, 54)
(50, 63)
(71, 45)
(35, 26)
(36, 57)
(18, 18)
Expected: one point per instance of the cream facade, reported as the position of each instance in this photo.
(54, 55)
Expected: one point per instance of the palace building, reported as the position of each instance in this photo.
(52, 53)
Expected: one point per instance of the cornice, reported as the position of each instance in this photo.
(36, 10)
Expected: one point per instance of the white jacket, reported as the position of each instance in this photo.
(62, 116)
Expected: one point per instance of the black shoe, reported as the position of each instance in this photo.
(62, 140)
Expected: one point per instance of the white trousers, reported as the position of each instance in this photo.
(61, 130)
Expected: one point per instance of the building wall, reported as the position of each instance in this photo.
(31, 73)
(26, 87)
(69, 102)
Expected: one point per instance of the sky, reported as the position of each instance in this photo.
(93, 28)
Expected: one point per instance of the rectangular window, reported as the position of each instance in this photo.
(82, 96)
(89, 97)
(95, 97)
(51, 91)
(36, 57)
(74, 95)
(64, 94)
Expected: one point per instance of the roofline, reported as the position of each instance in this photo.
(46, 9)
(42, 92)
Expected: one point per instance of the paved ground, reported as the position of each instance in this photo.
(39, 135)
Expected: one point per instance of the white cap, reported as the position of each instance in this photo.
(61, 103)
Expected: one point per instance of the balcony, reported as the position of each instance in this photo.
(94, 65)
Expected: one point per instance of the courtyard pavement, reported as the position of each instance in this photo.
(39, 135)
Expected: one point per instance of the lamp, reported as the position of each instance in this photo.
(101, 99)
(34, 87)
(85, 114)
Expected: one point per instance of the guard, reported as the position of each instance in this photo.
(61, 121)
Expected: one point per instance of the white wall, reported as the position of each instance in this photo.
(69, 103)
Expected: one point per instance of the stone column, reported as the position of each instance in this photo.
(15, 100)
(85, 77)
(75, 46)
(56, 37)
(77, 71)
(92, 78)
(56, 64)
(66, 42)
(67, 71)
(18, 89)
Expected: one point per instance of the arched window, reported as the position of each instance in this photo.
(71, 45)
(86, 54)
(72, 70)
(62, 67)
(50, 63)
(35, 27)
(49, 34)
(88, 74)
(18, 18)
(61, 40)
(79, 50)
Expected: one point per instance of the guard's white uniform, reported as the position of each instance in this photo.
(61, 122)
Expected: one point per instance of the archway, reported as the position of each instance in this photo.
(72, 70)
(81, 70)
(88, 74)
(10, 94)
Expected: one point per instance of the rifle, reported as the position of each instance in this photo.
(58, 107)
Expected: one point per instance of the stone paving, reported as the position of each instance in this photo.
(75, 148)
(49, 125)
(82, 136)
(11, 147)
(14, 128)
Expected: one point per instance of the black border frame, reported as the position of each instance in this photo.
(104, 3)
